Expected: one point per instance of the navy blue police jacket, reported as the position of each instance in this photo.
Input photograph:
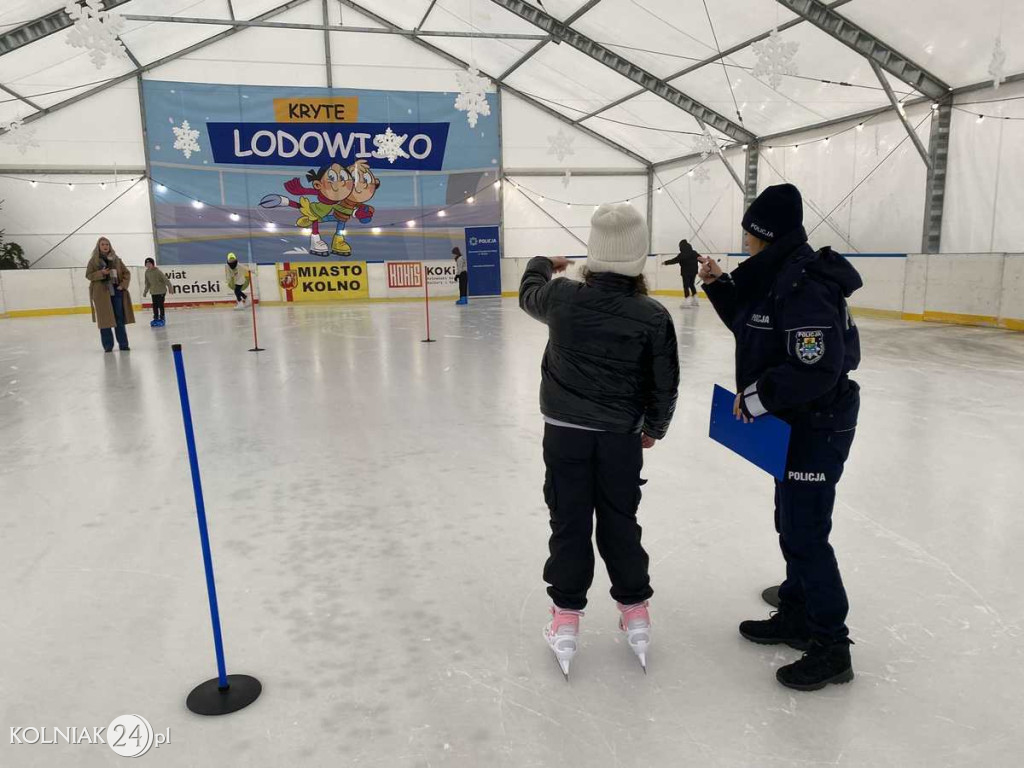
(796, 341)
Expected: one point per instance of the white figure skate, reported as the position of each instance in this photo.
(317, 246)
(562, 634)
(635, 621)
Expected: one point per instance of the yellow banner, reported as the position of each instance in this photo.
(317, 110)
(319, 281)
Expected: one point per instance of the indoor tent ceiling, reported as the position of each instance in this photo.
(698, 51)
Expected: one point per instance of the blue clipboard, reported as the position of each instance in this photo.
(764, 443)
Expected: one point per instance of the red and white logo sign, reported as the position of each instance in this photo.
(405, 274)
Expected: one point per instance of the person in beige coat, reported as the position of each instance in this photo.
(108, 294)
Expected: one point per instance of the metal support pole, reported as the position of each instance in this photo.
(935, 191)
(650, 210)
(150, 191)
(753, 158)
(327, 46)
(901, 113)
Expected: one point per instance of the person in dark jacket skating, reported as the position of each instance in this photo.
(688, 266)
(796, 343)
(609, 380)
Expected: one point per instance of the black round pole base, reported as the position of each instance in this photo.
(427, 341)
(208, 699)
(258, 349)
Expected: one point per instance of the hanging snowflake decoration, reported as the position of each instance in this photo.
(472, 98)
(701, 174)
(18, 135)
(96, 30)
(997, 67)
(186, 139)
(561, 145)
(566, 178)
(705, 144)
(389, 145)
(774, 59)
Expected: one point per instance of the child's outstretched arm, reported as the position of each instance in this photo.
(534, 288)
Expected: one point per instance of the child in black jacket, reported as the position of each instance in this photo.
(609, 381)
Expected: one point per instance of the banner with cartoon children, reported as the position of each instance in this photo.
(279, 174)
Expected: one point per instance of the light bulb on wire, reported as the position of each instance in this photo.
(197, 204)
(71, 187)
(410, 223)
(34, 184)
(234, 217)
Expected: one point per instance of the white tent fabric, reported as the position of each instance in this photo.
(875, 208)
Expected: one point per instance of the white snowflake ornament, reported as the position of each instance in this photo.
(18, 135)
(186, 139)
(472, 98)
(701, 174)
(705, 144)
(96, 30)
(997, 67)
(774, 59)
(561, 145)
(389, 145)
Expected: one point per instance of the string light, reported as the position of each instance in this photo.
(981, 118)
(541, 198)
(270, 226)
(34, 184)
(376, 230)
(660, 190)
(234, 217)
(410, 223)
(197, 204)
(161, 188)
(860, 126)
(71, 187)
(497, 184)
(442, 214)
(103, 185)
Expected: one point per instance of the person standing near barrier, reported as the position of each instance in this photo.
(462, 274)
(796, 343)
(159, 286)
(609, 382)
(688, 266)
(108, 295)
(237, 279)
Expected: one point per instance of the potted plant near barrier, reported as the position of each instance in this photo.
(11, 254)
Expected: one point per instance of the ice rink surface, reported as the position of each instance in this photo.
(378, 531)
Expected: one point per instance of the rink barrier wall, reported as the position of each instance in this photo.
(985, 289)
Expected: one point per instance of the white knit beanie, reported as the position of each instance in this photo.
(618, 240)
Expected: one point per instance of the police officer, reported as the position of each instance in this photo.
(795, 346)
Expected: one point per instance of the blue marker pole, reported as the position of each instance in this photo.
(223, 694)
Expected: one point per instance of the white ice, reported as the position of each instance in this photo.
(378, 532)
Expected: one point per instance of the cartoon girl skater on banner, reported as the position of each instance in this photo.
(340, 192)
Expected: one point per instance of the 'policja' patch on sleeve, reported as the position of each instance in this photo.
(809, 346)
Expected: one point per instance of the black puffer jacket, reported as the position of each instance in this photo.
(611, 362)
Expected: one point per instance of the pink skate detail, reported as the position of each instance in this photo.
(634, 616)
(562, 618)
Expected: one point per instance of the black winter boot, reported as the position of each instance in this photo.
(820, 665)
(786, 625)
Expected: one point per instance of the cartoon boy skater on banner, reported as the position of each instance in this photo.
(340, 192)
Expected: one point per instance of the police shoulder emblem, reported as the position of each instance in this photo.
(810, 346)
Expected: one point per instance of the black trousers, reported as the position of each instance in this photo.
(590, 472)
(239, 294)
(803, 519)
(689, 287)
(158, 306)
(463, 284)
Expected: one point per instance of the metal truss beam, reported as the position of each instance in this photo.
(425, 15)
(18, 96)
(901, 113)
(154, 64)
(563, 33)
(528, 99)
(580, 172)
(869, 46)
(710, 60)
(327, 46)
(935, 190)
(41, 27)
(753, 156)
(536, 49)
(329, 27)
